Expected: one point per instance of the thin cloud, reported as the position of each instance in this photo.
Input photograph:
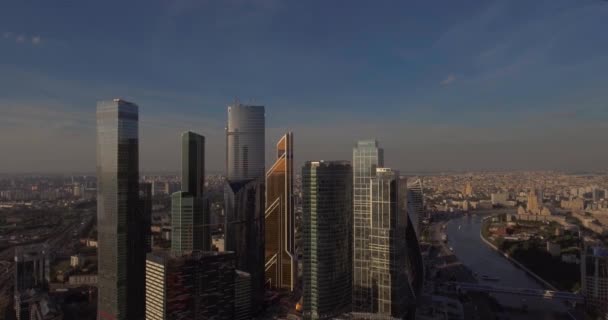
(448, 80)
(22, 38)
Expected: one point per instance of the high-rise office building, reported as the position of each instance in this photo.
(244, 193)
(467, 190)
(198, 285)
(189, 218)
(32, 267)
(327, 224)
(367, 156)
(193, 163)
(32, 275)
(412, 201)
(594, 277)
(387, 246)
(183, 207)
(245, 144)
(244, 232)
(281, 265)
(121, 254)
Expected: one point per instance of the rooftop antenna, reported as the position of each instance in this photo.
(236, 101)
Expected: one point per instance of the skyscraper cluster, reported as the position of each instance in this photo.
(360, 252)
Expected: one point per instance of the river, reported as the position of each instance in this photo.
(463, 237)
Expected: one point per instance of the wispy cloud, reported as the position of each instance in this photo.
(22, 38)
(449, 79)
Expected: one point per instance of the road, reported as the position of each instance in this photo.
(60, 243)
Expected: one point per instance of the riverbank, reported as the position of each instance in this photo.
(511, 259)
(449, 268)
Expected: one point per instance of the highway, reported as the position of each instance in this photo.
(60, 244)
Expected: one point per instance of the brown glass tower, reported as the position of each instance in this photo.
(280, 267)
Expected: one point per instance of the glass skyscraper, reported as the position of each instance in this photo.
(415, 204)
(193, 163)
(245, 144)
(189, 220)
(244, 232)
(281, 265)
(121, 254)
(327, 216)
(183, 207)
(387, 246)
(367, 156)
(244, 193)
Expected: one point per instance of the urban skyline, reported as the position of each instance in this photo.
(449, 161)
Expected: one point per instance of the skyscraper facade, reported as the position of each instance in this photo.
(183, 208)
(244, 232)
(367, 156)
(121, 256)
(244, 193)
(198, 285)
(415, 204)
(414, 263)
(189, 219)
(281, 265)
(387, 246)
(327, 225)
(245, 144)
(193, 163)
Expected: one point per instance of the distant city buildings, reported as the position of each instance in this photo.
(500, 199)
(534, 205)
(467, 191)
(327, 225)
(281, 261)
(121, 251)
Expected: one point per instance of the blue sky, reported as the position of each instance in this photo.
(444, 85)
